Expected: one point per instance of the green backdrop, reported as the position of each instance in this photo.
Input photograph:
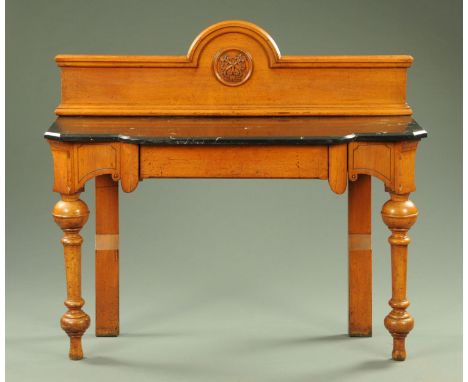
(229, 280)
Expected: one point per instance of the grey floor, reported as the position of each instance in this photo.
(250, 290)
(241, 338)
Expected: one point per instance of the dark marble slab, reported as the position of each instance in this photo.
(235, 130)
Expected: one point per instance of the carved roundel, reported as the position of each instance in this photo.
(232, 66)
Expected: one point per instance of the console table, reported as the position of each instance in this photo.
(233, 107)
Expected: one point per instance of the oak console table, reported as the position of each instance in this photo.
(233, 107)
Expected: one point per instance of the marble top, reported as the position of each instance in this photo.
(235, 130)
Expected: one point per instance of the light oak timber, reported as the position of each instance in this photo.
(337, 170)
(129, 167)
(341, 118)
(107, 256)
(76, 163)
(151, 85)
(71, 214)
(399, 214)
(234, 162)
(360, 257)
(393, 163)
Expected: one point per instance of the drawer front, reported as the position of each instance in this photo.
(234, 162)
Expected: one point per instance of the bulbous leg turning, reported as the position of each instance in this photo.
(399, 214)
(399, 323)
(71, 214)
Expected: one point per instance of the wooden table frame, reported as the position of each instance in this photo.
(349, 164)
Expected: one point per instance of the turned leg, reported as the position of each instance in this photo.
(107, 257)
(359, 258)
(399, 214)
(71, 214)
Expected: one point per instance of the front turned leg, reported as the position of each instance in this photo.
(71, 214)
(399, 214)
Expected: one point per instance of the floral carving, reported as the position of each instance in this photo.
(232, 66)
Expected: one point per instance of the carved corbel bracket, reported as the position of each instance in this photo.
(76, 163)
(337, 171)
(391, 162)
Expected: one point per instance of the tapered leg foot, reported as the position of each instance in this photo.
(75, 322)
(399, 351)
(399, 323)
(76, 350)
(71, 214)
(399, 214)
